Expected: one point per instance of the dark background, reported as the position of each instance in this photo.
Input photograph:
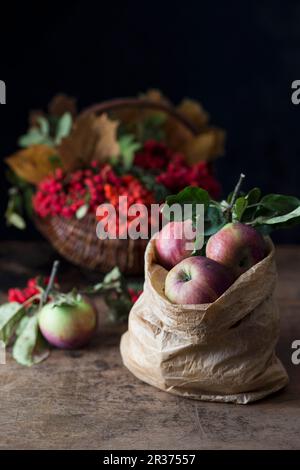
(238, 58)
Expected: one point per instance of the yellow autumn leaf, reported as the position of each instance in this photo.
(32, 164)
(177, 134)
(78, 148)
(107, 144)
(155, 95)
(206, 146)
(194, 112)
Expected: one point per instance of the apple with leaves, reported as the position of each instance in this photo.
(67, 322)
(197, 280)
(234, 228)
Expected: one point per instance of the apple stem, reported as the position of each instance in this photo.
(50, 283)
(235, 194)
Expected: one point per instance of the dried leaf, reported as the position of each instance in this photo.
(205, 146)
(91, 138)
(79, 147)
(34, 117)
(32, 164)
(194, 112)
(155, 95)
(107, 145)
(177, 134)
(62, 104)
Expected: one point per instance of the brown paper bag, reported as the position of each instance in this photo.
(223, 351)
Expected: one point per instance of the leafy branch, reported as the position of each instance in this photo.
(265, 213)
(42, 134)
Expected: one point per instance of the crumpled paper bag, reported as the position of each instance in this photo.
(223, 351)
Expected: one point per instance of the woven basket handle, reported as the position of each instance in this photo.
(140, 103)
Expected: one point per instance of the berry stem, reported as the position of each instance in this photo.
(235, 195)
(50, 283)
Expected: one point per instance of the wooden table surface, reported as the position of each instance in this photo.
(86, 399)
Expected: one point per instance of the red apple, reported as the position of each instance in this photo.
(237, 246)
(174, 243)
(197, 280)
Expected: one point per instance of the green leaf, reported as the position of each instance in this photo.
(151, 128)
(22, 324)
(15, 200)
(279, 204)
(114, 289)
(10, 314)
(239, 207)
(136, 284)
(82, 211)
(111, 281)
(251, 210)
(55, 161)
(64, 127)
(119, 307)
(190, 195)
(115, 293)
(214, 220)
(44, 125)
(19, 198)
(113, 276)
(253, 196)
(149, 181)
(13, 213)
(70, 299)
(281, 219)
(30, 347)
(15, 219)
(128, 148)
(116, 296)
(160, 192)
(27, 198)
(15, 180)
(229, 197)
(277, 211)
(35, 137)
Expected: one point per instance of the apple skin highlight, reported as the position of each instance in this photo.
(171, 243)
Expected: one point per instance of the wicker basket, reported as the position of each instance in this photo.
(76, 240)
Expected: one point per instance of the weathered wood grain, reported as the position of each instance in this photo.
(86, 399)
